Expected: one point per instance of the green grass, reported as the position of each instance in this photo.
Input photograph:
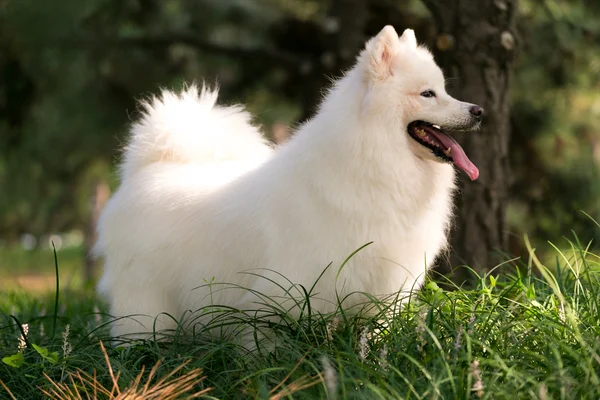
(34, 269)
(525, 333)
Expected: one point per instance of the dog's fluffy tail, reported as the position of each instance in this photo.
(190, 128)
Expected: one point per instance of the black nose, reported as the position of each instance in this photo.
(476, 111)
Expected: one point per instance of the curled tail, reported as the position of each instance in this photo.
(190, 128)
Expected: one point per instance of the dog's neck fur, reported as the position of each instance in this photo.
(347, 138)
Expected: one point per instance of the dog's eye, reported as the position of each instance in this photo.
(428, 93)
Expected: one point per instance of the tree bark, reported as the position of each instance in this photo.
(475, 46)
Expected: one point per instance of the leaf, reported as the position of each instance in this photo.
(16, 360)
(431, 285)
(51, 357)
(536, 304)
(531, 292)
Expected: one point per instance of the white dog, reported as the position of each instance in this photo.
(205, 199)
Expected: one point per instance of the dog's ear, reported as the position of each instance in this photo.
(408, 38)
(381, 50)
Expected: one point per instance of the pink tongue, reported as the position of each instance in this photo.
(457, 153)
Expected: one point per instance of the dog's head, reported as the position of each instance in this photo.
(405, 86)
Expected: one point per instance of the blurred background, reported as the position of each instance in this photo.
(71, 72)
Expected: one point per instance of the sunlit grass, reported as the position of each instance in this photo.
(531, 332)
(33, 270)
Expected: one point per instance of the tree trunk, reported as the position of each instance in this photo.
(475, 46)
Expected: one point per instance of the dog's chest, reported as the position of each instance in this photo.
(419, 236)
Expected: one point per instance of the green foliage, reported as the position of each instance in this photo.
(15, 360)
(555, 113)
(72, 73)
(531, 333)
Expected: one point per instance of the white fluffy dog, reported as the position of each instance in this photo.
(204, 198)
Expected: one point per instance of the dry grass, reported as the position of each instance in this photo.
(81, 385)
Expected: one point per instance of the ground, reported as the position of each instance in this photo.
(526, 332)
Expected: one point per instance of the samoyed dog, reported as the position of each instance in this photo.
(205, 199)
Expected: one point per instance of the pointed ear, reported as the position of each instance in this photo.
(381, 51)
(408, 38)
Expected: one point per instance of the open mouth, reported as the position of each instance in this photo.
(442, 146)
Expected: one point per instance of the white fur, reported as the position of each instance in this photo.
(204, 196)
